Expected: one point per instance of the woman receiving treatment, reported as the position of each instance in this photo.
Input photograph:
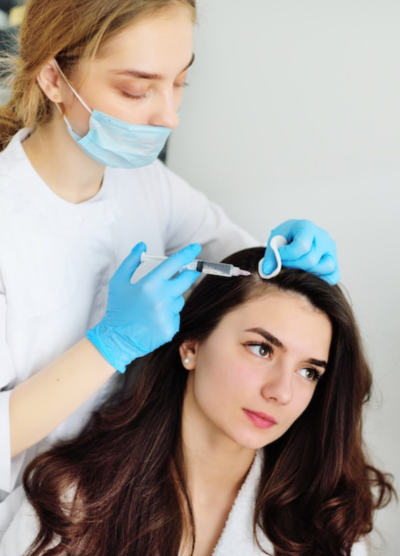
(240, 437)
(94, 94)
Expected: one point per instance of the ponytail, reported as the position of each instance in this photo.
(27, 106)
(9, 125)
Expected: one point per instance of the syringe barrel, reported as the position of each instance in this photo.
(206, 267)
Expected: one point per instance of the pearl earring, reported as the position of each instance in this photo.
(186, 361)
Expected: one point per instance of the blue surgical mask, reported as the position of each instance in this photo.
(116, 143)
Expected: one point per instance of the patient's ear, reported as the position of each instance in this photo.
(188, 353)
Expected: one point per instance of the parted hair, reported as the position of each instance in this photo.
(71, 31)
(120, 487)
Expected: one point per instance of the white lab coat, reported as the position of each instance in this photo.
(236, 538)
(56, 259)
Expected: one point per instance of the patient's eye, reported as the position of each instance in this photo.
(261, 349)
(310, 374)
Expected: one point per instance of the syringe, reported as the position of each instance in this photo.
(205, 267)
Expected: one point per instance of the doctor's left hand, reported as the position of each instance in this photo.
(309, 248)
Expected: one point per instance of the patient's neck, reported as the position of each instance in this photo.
(215, 464)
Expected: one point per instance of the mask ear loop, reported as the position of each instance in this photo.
(72, 89)
(276, 241)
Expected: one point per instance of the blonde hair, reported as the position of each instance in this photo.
(69, 30)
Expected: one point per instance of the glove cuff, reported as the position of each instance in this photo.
(106, 341)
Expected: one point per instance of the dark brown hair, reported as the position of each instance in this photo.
(125, 472)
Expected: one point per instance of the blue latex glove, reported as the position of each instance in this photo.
(143, 316)
(310, 248)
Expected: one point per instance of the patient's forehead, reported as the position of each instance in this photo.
(285, 314)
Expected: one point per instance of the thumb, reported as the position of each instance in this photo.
(130, 264)
(272, 257)
(269, 262)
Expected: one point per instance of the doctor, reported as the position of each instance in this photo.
(95, 95)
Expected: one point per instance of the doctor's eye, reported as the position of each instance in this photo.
(181, 85)
(138, 96)
(261, 349)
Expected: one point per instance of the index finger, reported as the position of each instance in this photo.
(175, 262)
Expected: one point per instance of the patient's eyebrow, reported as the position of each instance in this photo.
(275, 342)
(144, 75)
(268, 336)
(317, 363)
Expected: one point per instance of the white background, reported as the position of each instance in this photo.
(293, 112)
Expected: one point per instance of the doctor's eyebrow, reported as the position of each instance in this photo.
(145, 75)
(275, 342)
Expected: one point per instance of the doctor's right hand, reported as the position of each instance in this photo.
(143, 316)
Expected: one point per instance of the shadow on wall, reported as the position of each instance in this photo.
(8, 45)
(11, 12)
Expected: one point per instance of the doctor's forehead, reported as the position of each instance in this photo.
(156, 40)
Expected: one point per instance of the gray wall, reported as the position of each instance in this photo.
(293, 111)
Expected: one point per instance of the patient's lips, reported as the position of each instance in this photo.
(260, 419)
